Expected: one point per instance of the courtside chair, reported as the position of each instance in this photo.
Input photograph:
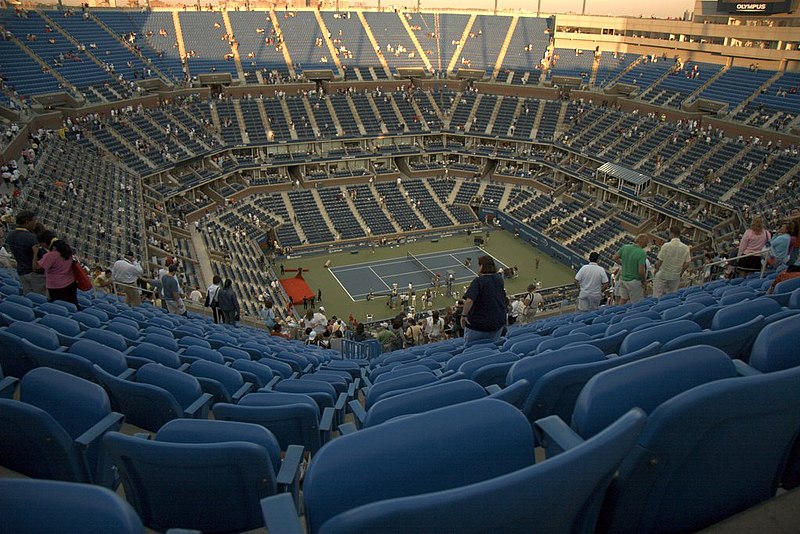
(203, 475)
(560, 495)
(69, 507)
(54, 430)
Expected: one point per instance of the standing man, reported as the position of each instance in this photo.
(673, 259)
(633, 273)
(20, 242)
(319, 295)
(532, 301)
(171, 292)
(592, 281)
(126, 273)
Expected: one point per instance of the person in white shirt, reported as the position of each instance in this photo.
(517, 308)
(434, 327)
(196, 296)
(319, 322)
(673, 259)
(592, 281)
(126, 273)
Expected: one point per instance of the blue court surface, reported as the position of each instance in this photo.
(379, 276)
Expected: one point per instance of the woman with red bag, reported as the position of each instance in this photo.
(57, 265)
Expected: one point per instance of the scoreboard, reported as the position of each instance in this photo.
(758, 7)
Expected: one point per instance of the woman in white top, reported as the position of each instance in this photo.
(211, 297)
(434, 327)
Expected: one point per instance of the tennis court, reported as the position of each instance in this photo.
(378, 277)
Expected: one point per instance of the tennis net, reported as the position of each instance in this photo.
(421, 265)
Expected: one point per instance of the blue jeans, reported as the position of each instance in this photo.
(471, 336)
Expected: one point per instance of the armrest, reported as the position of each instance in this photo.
(7, 387)
(280, 514)
(294, 375)
(288, 477)
(745, 370)
(555, 436)
(347, 428)
(184, 367)
(326, 421)
(271, 383)
(127, 374)
(199, 408)
(246, 388)
(359, 413)
(367, 383)
(357, 383)
(351, 390)
(491, 389)
(142, 435)
(112, 421)
(308, 368)
(341, 402)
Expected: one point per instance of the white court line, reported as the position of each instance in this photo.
(379, 278)
(341, 284)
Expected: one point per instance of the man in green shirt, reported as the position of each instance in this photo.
(633, 275)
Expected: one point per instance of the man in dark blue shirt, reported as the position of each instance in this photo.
(485, 305)
(20, 242)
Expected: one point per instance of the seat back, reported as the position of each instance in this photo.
(196, 352)
(13, 358)
(230, 379)
(38, 505)
(432, 451)
(16, 312)
(39, 335)
(111, 360)
(646, 384)
(403, 382)
(210, 487)
(735, 341)
(706, 454)
(660, 332)
(183, 387)
(107, 338)
(87, 319)
(155, 353)
(534, 367)
(62, 325)
(127, 331)
(556, 391)
(558, 342)
(144, 405)
(561, 495)
(775, 347)
(739, 313)
(423, 399)
(292, 418)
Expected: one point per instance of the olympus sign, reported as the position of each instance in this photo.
(751, 7)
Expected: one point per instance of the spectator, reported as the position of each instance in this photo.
(277, 331)
(228, 303)
(57, 265)
(781, 244)
(484, 315)
(396, 341)
(532, 301)
(126, 273)
(267, 314)
(360, 333)
(171, 292)
(434, 327)
(414, 334)
(196, 296)
(20, 243)
(211, 297)
(385, 337)
(673, 260)
(592, 281)
(754, 240)
(319, 322)
(633, 273)
(515, 310)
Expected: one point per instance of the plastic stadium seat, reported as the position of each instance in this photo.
(148, 353)
(735, 341)
(8, 385)
(558, 342)
(38, 505)
(376, 392)
(437, 450)
(661, 333)
(193, 353)
(556, 392)
(720, 448)
(54, 430)
(224, 383)
(202, 475)
(68, 330)
(157, 395)
(293, 418)
(560, 495)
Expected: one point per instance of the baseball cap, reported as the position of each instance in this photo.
(312, 335)
(322, 309)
